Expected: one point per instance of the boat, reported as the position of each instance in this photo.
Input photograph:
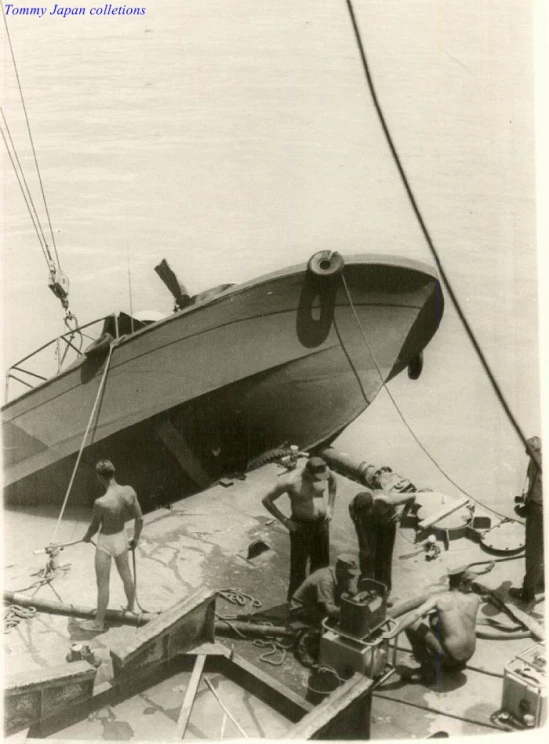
(178, 402)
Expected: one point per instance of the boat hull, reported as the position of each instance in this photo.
(200, 394)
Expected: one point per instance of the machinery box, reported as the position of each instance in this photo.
(525, 687)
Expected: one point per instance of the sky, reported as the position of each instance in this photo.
(236, 138)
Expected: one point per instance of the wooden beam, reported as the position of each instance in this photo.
(190, 694)
(177, 445)
(425, 523)
(227, 711)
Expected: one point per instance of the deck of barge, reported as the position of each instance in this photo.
(203, 539)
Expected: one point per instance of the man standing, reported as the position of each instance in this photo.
(312, 493)
(442, 630)
(375, 518)
(533, 511)
(110, 512)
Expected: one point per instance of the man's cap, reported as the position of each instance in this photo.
(348, 563)
(534, 443)
(318, 468)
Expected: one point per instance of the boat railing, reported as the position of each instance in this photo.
(40, 366)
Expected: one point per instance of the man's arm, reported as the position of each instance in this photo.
(94, 525)
(332, 490)
(268, 503)
(326, 599)
(395, 499)
(137, 514)
(422, 610)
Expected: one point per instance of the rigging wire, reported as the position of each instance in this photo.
(427, 236)
(397, 408)
(8, 36)
(37, 226)
(20, 174)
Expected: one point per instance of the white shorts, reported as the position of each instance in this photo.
(113, 545)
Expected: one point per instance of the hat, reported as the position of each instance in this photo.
(534, 443)
(317, 468)
(348, 563)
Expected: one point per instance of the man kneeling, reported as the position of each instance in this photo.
(442, 631)
(317, 598)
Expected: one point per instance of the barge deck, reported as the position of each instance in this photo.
(205, 539)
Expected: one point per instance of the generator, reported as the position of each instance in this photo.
(357, 643)
(524, 695)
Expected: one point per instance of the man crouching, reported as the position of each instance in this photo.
(319, 597)
(442, 630)
(110, 513)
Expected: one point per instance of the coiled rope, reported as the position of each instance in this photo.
(14, 613)
(273, 644)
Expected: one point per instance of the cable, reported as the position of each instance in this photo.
(395, 404)
(435, 710)
(427, 236)
(92, 416)
(29, 131)
(20, 175)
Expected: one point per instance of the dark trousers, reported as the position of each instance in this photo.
(534, 551)
(376, 540)
(310, 542)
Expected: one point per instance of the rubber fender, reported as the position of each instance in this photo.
(267, 457)
(99, 347)
(326, 265)
(415, 367)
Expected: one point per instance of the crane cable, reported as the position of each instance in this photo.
(429, 240)
(98, 397)
(24, 186)
(397, 408)
(31, 140)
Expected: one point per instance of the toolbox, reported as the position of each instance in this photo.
(525, 687)
(364, 611)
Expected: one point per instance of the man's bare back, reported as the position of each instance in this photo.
(118, 505)
(456, 619)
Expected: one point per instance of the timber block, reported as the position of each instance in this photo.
(188, 623)
(31, 696)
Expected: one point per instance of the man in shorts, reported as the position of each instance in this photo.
(110, 513)
(442, 630)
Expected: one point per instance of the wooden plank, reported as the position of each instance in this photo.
(177, 445)
(226, 710)
(190, 695)
(273, 692)
(186, 624)
(344, 714)
(424, 524)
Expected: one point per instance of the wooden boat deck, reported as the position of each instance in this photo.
(204, 539)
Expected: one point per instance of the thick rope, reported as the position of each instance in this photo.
(92, 416)
(427, 235)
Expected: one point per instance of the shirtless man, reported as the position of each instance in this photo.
(110, 512)
(312, 493)
(446, 639)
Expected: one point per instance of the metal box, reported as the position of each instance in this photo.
(525, 687)
(362, 612)
(347, 656)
